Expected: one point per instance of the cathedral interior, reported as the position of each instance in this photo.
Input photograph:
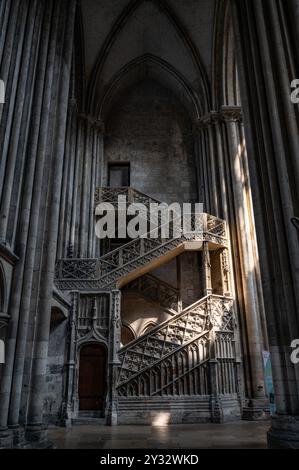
(174, 101)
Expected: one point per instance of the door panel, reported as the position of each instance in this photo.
(92, 378)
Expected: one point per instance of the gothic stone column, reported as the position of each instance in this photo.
(42, 324)
(114, 346)
(69, 391)
(234, 205)
(267, 56)
(258, 406)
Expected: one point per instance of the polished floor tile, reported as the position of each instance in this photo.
(240, 435)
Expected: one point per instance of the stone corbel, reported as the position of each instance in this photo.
(206, 121)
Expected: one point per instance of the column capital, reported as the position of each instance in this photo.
(226, 114)
(231, 114)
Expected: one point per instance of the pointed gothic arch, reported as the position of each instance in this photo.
(118, 27)
(225, 81)
(151, 66)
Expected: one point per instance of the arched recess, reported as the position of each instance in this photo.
(127, 334)
(146, 16)
(149, 118)
(149, 326)
(145, 67)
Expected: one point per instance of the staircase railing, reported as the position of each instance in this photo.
(110, 195)
(181, 372)
(163, 339)
(103, 272)
(172, 357)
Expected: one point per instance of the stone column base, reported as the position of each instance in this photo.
(256, 410)
(32, 437)
(112, 414)
(37, 438)
(6, 438)
(284, 432)
(18, 436)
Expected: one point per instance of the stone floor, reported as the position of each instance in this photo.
(240, 435)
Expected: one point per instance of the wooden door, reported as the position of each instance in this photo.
(92, 377)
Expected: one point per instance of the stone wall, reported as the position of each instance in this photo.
(150, 129)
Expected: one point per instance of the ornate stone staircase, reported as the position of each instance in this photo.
(187, 364)
(153, 350)
(140, 255)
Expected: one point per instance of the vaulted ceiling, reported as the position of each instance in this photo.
(170, 41)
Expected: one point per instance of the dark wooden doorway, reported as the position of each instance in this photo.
(92, 378)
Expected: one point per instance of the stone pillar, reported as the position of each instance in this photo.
(114, 346)
(267, 59)
(225, 273)
(85, 192)
(68, 399)
(206, 269)
(99, 179)
(201, 154)
(258, 405)
(95, 181)
(215, 405)
(64, 249)
(21, 286)
(15, 129)
(12, 39)
(86, 155)
(214, 173)
(21, 300)
(232, 186)
(74, 210)
(42, 325)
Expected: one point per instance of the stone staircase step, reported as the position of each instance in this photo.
(89, 417)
